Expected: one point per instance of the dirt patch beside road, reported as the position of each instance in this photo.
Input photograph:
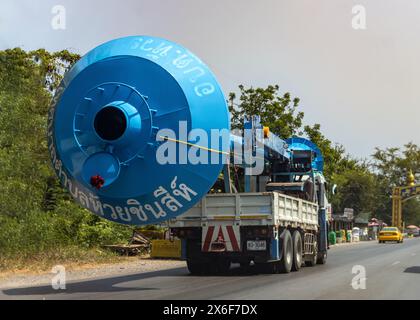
(88, 271)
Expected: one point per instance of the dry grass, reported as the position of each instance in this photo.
(71, 257)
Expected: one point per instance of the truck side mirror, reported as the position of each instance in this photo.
(334, 189)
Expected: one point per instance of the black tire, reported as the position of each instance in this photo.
(297, 251)
(322, 258)
(223, 266)
(196, 268)
(286, 262)
(312, 261)
(267, 267)
(211, 268)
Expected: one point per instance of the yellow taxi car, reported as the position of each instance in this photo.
(390, 234)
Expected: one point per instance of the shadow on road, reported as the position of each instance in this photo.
(97, 285)
(105, 285)
(414, 269)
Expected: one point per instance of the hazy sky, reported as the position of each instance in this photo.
(362, 86)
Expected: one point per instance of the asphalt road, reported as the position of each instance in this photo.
(392, 272)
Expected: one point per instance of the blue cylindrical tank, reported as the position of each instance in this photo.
(117, 118)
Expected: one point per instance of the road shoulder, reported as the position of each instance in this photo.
(88, 272)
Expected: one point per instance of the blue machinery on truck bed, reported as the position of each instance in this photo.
(113, 111)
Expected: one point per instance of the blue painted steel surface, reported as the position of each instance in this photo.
(297, 143)
(275, 248)
(147, 84)
(322, 220)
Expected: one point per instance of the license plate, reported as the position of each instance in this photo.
(259, 245)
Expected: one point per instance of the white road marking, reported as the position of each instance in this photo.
(395, 263)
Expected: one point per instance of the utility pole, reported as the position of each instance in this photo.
(401, 194)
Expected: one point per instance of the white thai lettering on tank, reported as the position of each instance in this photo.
(198, 73)
(204, 89)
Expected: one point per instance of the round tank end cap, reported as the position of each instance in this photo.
(100, 170)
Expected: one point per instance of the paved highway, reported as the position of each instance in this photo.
(392, 271)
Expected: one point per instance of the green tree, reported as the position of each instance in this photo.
(356, 185)
(26, 82)
(36, 214)
(357, 189)
(391, 166)
(336, 161)
(279, 112)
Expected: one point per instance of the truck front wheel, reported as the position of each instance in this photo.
(322, 258)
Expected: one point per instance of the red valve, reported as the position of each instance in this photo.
(97, 181)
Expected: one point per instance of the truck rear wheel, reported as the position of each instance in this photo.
(286, 262)
(297, 250)
(223, 266)
(196, 268)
